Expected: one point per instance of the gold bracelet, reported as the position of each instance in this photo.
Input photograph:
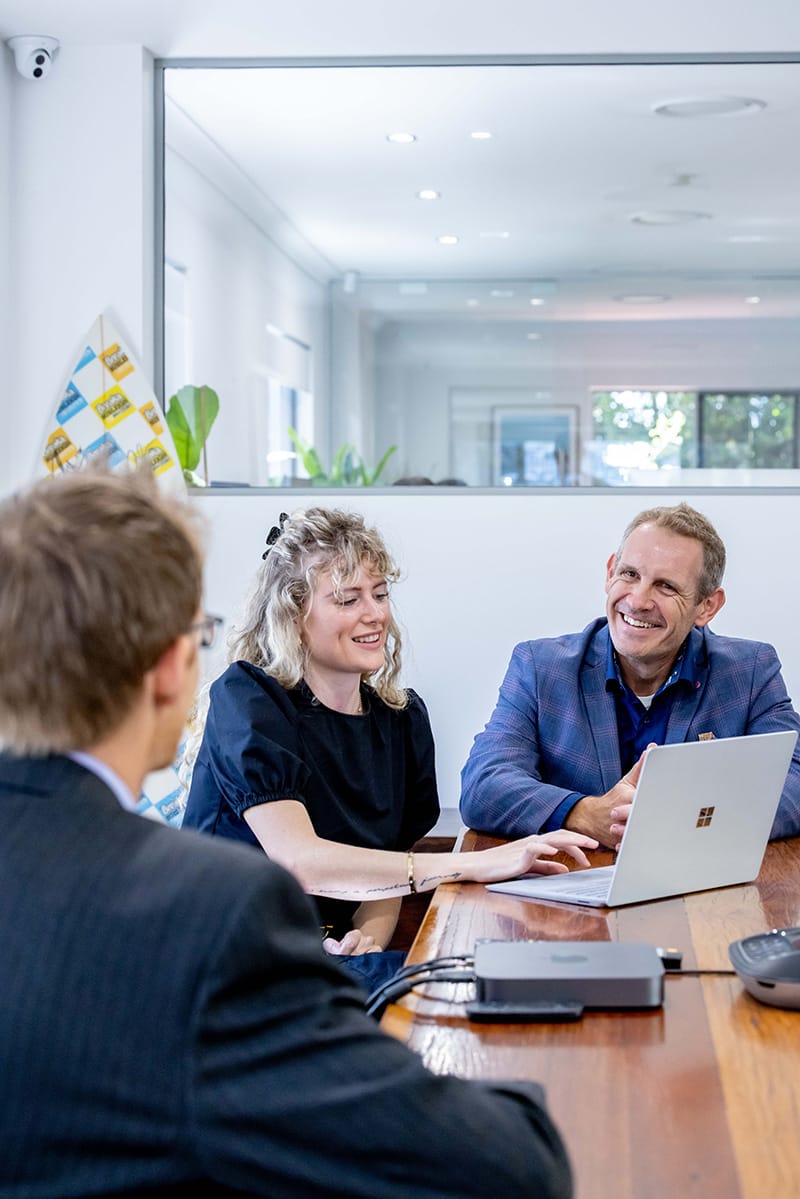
(412, 887)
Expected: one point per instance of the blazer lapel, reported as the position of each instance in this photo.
(601, 711)
(685, 706)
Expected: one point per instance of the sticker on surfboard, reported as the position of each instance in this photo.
(108, 409)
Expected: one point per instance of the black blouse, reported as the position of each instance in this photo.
(365, 780)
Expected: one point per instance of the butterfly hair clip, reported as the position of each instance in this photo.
(274, 533)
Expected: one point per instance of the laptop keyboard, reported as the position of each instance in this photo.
(594, 888)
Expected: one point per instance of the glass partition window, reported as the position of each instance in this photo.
(477, 272)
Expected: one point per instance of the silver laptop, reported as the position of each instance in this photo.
(701, 818)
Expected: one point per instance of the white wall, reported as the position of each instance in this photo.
(237, 281)
(483, 571)
(6, 308)
(80, 216)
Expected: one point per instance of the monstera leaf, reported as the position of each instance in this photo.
(190, 414)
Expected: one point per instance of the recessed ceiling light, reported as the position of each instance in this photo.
(428, 193)
(447, 239)
(534, 336)
(501, 293)
(746, 239)
(752, 299)
(668, 216)
(709, 106)
(472, 303)
(401, 139)
(642, 298)
(480, 135)
(498, 234)
(537, 301)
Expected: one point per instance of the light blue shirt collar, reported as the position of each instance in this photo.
(108, 776)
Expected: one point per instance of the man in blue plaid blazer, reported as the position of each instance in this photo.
(575, 714)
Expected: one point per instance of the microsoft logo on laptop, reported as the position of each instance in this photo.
(704, 818)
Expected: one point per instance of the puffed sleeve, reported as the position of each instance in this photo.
(422, 795)
(250, 753)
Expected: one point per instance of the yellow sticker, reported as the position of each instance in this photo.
(116, 361)
(156, 454)
(59, 449)
(112, 407)
(152, 416)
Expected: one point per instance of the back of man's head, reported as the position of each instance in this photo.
(99, 575)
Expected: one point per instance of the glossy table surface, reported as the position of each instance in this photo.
(698, 1098)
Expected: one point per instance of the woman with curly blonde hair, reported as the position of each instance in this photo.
(313, 750)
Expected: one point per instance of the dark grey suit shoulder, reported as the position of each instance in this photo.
(170, 1022)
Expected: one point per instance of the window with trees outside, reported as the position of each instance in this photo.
(639, 431)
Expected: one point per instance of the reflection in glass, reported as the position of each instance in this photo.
(626, 274)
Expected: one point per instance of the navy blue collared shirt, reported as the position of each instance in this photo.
(637, 726)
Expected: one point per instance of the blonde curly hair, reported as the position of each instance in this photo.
(310, 541)
(313, 541)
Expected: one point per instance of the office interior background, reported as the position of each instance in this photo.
(616, 325)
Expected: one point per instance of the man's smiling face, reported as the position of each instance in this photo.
(652, 600)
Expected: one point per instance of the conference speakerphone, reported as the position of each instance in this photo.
(558, 980)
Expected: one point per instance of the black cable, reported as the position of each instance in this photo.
(673, 963)
(695, 973)
(400, 986)
(453, 959)
(396, 988)
(456, 959)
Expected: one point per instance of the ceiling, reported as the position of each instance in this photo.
(576, 152)
(305, 27)
(562, 205)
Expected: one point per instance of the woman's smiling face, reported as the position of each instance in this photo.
(344, 629)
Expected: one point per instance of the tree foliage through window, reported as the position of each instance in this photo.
(657, 429)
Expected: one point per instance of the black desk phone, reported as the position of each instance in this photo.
(769, 966)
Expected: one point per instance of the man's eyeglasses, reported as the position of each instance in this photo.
(207, 628)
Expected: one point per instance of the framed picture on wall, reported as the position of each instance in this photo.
(535, 447)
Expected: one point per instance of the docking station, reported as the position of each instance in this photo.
(557, 980)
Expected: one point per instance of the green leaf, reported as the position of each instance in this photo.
(337, 471)
(369, 481)
(190, 414)
(310, 459)
(347, 468)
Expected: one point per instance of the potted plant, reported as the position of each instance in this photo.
(190, 414)
(347, 468)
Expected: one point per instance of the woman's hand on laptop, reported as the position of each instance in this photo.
(530, 855)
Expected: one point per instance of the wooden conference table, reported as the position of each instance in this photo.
(699, 1098)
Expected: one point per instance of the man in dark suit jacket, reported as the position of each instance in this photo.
(169, 1023)
(576, 712)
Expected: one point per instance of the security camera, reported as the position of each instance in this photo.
(33, 54)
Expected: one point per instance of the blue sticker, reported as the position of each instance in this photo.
(87, 356)
(71, 404)
(169, 808)
(108, 448)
